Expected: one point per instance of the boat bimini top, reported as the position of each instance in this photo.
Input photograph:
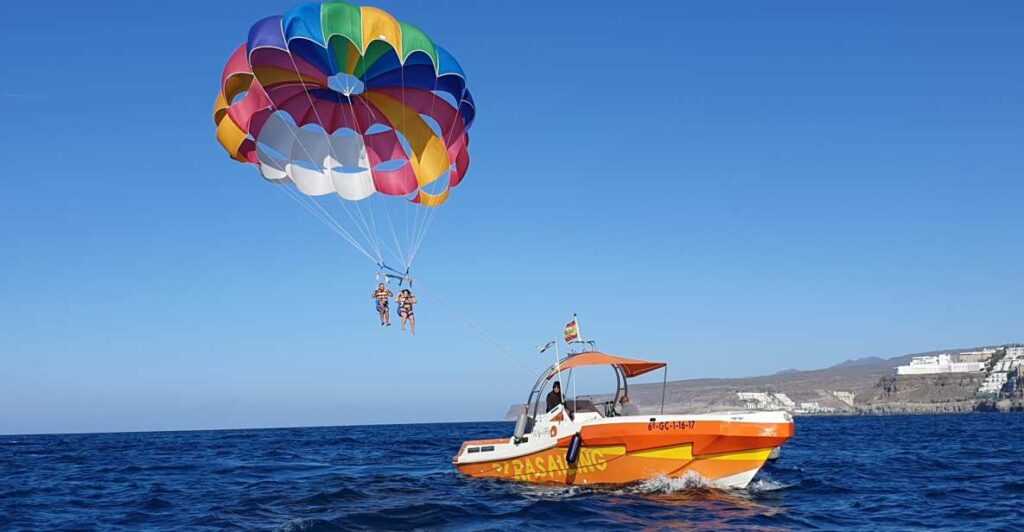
(624, 368)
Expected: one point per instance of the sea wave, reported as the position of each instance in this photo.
(894, 473)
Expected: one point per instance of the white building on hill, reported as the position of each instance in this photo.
(993, 383)
(814, 408)
(766, 401)
(938, 364)
(1014, 359)
(784, 400)
(981, 355)
(845, 397)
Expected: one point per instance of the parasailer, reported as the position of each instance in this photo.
(406, 299)
(360, 118)
(382, 295)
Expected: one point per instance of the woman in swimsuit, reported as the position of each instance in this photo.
(405, 302)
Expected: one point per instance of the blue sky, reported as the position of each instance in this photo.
(736, 189)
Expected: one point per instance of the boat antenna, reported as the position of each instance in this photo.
(558, 369)
(664, 381)
(579, 331)
(557, 366)
(575, 405)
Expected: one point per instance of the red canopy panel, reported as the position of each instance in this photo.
(630, 366)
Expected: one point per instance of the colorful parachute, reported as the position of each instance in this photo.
(347, 102)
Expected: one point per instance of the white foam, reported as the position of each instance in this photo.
(764, 483)
(663, 484)
(546, 491)
(659, 485)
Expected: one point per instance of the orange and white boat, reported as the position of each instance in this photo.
(582, 443)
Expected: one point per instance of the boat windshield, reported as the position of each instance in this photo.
(581, 404)
(623, 368)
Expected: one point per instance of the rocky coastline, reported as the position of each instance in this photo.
(868, 386)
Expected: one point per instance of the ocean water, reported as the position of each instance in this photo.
(876, 473)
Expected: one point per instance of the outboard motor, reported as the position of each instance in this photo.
(521, 421)
(573, 453)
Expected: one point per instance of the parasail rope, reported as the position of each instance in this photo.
(407, 222)
(370, 235)
(476, 329)
(332, 226)
(372, 242)
(416, 242)
(376, 248)
(417, 239)
(323, 216)
(372, 231)
(418, 215)
(397, 251)
(423, 233)
(394, 234)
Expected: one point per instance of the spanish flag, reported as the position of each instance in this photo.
(572, 332)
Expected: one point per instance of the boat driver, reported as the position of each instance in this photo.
(554, 396)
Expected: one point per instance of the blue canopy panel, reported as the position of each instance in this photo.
(303, 22)
(266, 33)
(467, 108)
(452, 84)
(303, 29)
(313, 54)
(448, 64)
(385, 63)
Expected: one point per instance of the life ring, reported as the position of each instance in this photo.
(553, 431)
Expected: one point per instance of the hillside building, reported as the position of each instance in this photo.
(766, 401)
(981, 355)
(814, 408)
(844, 397)
(784, 400)
(993, 384)
(943, 363)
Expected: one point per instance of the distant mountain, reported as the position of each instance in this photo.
(854, 362)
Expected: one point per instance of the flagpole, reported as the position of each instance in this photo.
(579, 330)
(558, 369)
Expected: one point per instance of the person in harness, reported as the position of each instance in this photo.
(382, 295)
(405, 301)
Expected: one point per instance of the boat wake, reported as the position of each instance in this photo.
(660, 485)
(765, 484)
(663, 484)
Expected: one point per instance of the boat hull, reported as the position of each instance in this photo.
(723, 452)
(613, 465)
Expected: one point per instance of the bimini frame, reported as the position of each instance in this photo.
(619, 366)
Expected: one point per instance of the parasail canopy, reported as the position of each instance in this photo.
(335, 100)
(630, 366)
